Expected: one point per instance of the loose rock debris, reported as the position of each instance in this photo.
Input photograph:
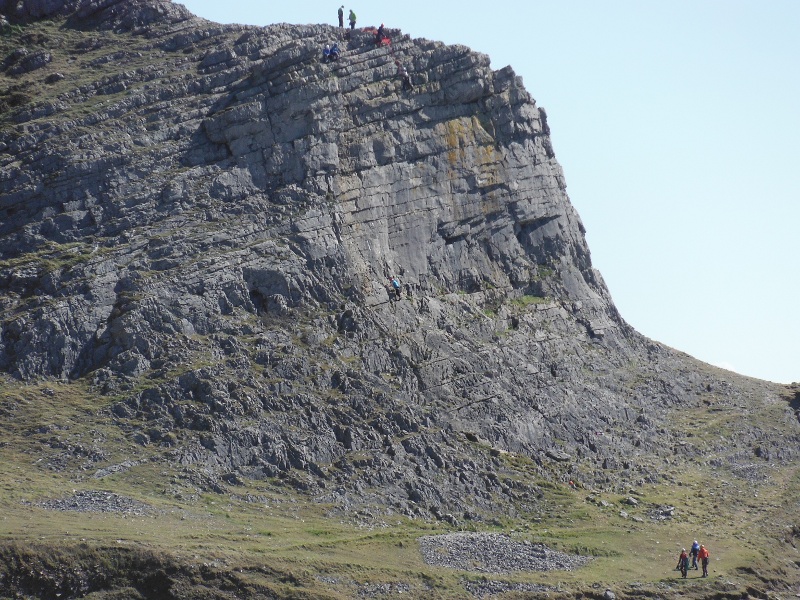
(494, 553)
(97, 501)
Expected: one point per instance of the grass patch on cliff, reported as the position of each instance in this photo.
(53, 257)
(89, 63)
(528, 300)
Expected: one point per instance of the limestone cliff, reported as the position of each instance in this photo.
(199, 221)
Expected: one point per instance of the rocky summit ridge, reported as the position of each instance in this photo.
(197, 225)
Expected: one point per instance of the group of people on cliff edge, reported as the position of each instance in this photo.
(351, 17)
(381, 39)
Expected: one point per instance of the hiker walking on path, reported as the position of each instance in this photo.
(408, 291)
(352, 18)
(683, 563)
(341, 16)
(702, 554)
(693, 553)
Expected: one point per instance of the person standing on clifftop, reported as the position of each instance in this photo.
(352, 19)
(341, 16)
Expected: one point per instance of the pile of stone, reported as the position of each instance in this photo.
(376, 590)
(494, 553)
(490, 588)
(97, 501)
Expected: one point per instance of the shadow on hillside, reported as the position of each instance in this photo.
(792, 394)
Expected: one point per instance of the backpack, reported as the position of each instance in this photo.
(395, 284)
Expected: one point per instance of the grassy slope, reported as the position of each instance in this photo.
(47, 433)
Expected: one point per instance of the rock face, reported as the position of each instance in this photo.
(201, 220)
(120, 15)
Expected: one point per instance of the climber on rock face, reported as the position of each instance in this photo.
(352, 18)
(330, 53)
(404, 76)
(395, 283)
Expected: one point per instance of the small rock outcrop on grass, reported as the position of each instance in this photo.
(97, 501)
(494, 553)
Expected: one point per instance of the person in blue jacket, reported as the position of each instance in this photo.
(396, 287)
(693, 553)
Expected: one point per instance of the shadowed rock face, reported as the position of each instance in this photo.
(203, 218)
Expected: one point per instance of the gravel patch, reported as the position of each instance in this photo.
(487, 589)
(95, 501)
(494, 553)
(754, 473)
(372, 590)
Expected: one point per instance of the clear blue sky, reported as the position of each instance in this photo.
(678, 126)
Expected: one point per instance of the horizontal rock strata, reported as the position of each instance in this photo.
(198, 223)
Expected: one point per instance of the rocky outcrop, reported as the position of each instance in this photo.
(201, 223)
(119, 15)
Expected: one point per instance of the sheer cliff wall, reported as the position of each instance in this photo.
(198, 221)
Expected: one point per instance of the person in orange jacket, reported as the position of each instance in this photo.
(703, 556)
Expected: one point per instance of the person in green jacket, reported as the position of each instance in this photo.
(352, 19)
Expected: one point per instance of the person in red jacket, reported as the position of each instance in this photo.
(683, 563)
(703, 556)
